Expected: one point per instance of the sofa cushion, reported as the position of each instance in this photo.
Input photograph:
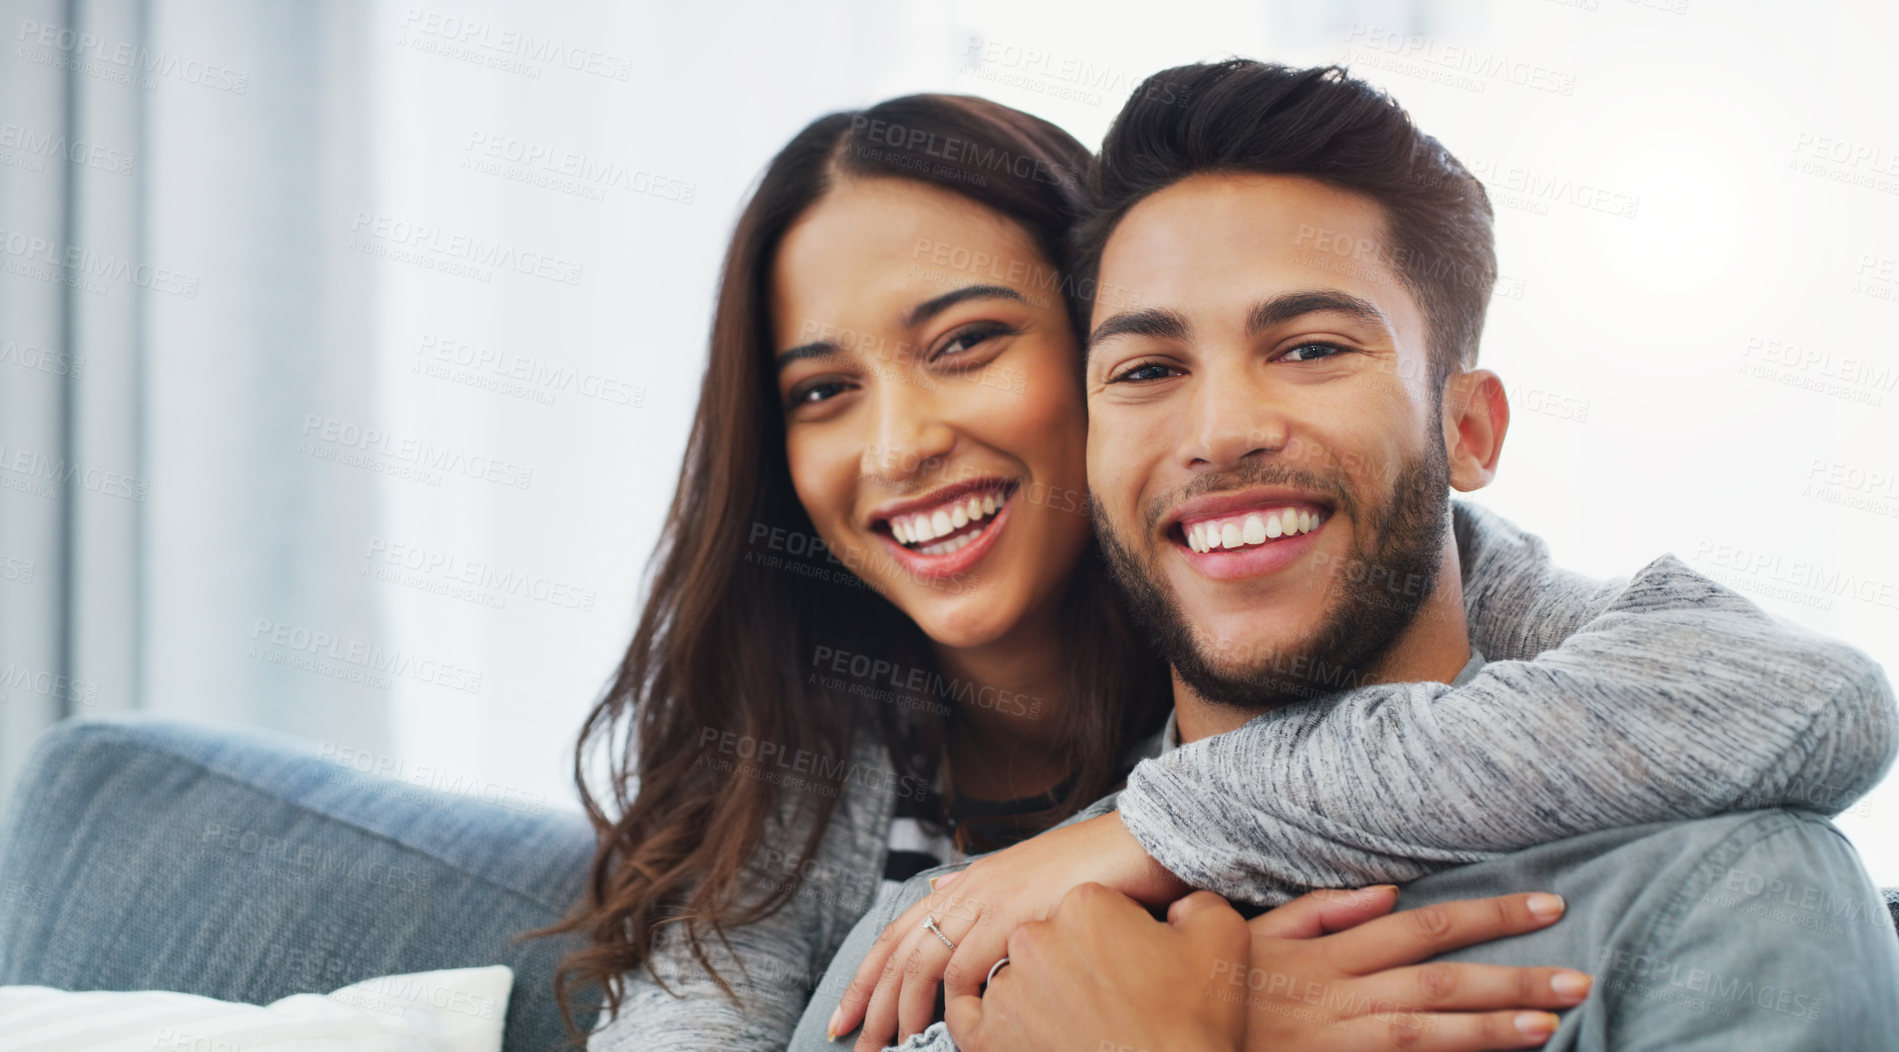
(149, 854)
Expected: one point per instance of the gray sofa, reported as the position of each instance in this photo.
(152, 854)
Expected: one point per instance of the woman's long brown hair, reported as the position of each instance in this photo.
(715, 692)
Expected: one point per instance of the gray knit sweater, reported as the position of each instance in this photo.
(1661, 697)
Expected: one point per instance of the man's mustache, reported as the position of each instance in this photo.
(1257, 473)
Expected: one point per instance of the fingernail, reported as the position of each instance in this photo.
(933, 881)
(1538, 1025)
(1571, 986)
(830, 1030)
(1544, 906)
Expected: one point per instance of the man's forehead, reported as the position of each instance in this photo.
(1239, 236)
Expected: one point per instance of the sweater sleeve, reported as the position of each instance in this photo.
(771, 964)
(1659, 698)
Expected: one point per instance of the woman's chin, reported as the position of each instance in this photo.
(973, 622)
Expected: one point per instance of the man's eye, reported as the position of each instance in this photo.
(1143, 372)
(1307, 352)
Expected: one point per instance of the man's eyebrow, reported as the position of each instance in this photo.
(1287, 306)
(928, 309)
(1156, 322)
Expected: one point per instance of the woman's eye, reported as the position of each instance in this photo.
(971, 337)
(1142, 372)
(811, 394)
(1307, 352)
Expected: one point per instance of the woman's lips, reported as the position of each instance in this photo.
(972, 541)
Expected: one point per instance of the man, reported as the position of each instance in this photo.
(1271, 378)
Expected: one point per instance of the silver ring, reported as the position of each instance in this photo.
(993, 969)
(929, 923)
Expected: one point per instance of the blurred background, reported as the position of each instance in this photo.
(347, 350)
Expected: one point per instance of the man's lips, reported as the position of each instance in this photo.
(1246, 533)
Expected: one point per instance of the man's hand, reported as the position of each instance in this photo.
(894, 991)
(1101, 973)
(1328, 972)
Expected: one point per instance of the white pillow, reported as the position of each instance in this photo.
(455, 1010)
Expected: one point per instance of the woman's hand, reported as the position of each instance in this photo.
(894, 992)
(1364, 987)
(1301, 986)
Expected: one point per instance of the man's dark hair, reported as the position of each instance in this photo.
(1322, 123)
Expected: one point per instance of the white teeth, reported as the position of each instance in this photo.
(952, 545)
(1252, 528)
(924, 527)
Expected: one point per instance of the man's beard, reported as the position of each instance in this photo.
(1377, 593)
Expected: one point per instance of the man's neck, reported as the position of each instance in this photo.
(1433, 648)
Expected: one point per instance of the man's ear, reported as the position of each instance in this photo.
(1476, 416)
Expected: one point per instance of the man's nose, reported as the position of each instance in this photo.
(1231, 417)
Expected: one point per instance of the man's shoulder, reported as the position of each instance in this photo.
(1762, 921)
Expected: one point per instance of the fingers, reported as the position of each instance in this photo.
(1325, 911)
(1449, 1032)
(916, 993)
(964, 1017)
(1457, 986)
(1208, 919)
(1410, 936)
(856, 1000)
(979, 948)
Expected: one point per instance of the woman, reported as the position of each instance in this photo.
(878, 632)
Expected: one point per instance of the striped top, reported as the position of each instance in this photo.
(917, 842)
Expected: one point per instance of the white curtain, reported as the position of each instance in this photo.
(176, 303)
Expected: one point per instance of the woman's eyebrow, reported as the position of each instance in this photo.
(821, 349)
(930, 308)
